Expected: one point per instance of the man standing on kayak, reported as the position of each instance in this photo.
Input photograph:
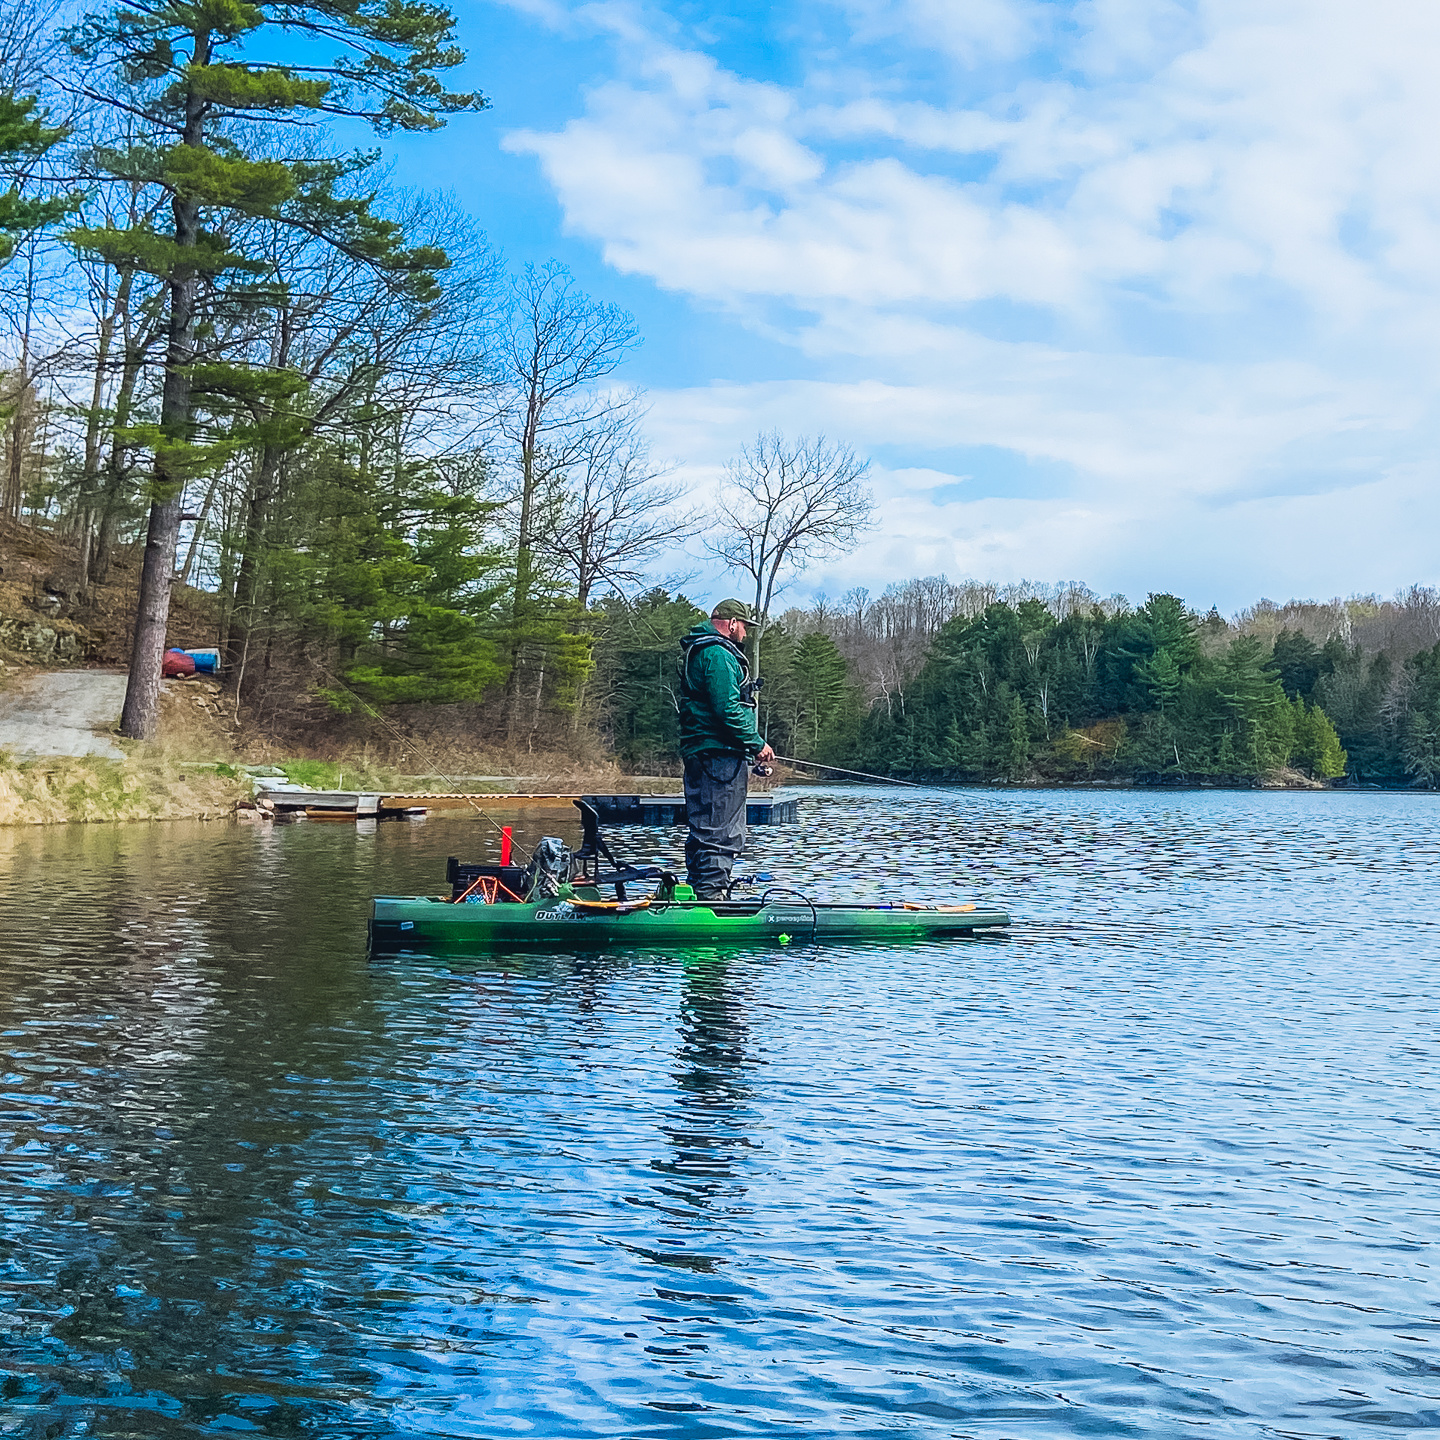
(719, 741)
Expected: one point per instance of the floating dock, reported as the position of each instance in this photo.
(293, 804)
(670, 809)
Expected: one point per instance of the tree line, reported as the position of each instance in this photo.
(976, 682)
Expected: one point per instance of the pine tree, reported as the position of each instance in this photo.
(1327, 758)
(1015, 757)
(24, 139)
(1315, 748)
(188, 68)
(1422, 747)
(821, 680)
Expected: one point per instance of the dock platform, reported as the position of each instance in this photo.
(670, 810)
(291, 804)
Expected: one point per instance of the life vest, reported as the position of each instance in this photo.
(701, 642)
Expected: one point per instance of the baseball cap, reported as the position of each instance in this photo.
(733, 610)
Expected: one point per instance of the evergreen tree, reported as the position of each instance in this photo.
(1132, 693)
(1317, 747)
(1353, 695)
(637, 657)
(399, 589)
(1298, 661)
(25, 138)
(1015, 754)
(218, 115)
(822, 686)
(1422, 747)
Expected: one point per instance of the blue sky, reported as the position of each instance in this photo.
(1128, 291)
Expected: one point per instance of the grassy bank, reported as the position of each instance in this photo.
(58, 788)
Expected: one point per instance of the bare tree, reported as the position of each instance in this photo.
(788, 503)
(614, 510)
(31, 43)
(556, 346)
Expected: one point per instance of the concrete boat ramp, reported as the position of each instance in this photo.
(63, 712)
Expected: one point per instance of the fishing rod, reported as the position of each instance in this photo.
(840, 770)
(429, 755)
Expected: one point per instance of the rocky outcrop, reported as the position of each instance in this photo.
(42, 641)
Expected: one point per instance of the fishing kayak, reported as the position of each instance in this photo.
(428, 924)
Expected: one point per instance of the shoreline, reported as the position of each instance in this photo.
(89, 790)
(152, 784)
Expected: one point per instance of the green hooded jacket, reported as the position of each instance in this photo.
(714, 719)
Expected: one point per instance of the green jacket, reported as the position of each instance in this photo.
(714, 718)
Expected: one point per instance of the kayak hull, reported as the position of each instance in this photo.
(430, 924)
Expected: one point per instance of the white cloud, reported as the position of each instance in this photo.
(1223, 217)
(971, 32)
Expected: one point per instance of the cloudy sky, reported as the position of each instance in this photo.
(1140, 293)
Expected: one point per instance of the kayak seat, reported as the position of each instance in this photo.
(622, 876)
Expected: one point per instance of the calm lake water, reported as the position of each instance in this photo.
(1164, 1162)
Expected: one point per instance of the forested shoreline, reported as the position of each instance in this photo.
(405, 489)
(976, 683)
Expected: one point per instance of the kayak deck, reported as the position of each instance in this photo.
(430, 923)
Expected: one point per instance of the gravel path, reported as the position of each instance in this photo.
(62, 712)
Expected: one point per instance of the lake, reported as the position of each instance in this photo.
(1163, 1162)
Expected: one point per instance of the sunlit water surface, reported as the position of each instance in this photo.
(1163, 1162)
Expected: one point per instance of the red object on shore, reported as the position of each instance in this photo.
(177, 662)
(504, 844)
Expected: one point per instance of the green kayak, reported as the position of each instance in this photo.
(564, 900)
(432, 924)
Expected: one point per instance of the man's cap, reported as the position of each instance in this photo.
(733, 610)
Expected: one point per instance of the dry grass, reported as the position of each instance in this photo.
(153, 787)
(185, 775)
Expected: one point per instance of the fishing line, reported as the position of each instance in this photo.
(841, 770)
(814, 765)
(429, 755)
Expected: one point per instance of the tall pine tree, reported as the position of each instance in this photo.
(219, 117)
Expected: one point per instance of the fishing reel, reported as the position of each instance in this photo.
(763, 771)
(736, 881)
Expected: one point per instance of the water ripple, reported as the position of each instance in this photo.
(1164, 1160)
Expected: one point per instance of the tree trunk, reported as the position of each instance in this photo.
(524, 580)
(15, 477)
(757, 631)
(200, 527)
(247, 579)
(93, 502)
(24, 412)
(152, 617)
(98, 566)
(157, 575)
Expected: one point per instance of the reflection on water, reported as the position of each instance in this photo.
(1165, 1159)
